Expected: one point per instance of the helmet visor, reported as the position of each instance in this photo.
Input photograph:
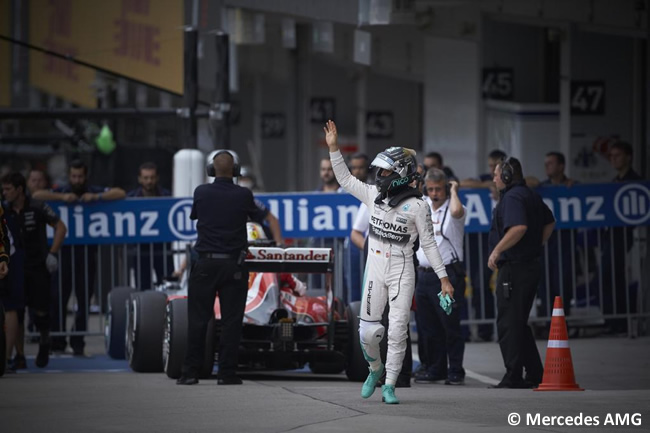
(383, 161)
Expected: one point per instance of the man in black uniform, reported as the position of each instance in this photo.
(30, 217)
(521, 224)
(78, 262)
(222, 210)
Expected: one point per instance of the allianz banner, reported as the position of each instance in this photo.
(305, 215)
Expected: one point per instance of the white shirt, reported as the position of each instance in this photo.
(362, 221)
(454, 230)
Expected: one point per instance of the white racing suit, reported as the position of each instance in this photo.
(390, 274)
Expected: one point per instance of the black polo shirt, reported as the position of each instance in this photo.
(222, 210)
(139, 192)
(629, 176)
(520, 205)
(30, 224)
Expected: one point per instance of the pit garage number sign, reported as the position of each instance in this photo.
(322, 109)
(274, 125)
(380, 124)
(588, 98)
(498, 83)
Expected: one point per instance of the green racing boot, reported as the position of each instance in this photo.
(388, 394)
(371, 381)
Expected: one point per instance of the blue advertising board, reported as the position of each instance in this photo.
(318, 215)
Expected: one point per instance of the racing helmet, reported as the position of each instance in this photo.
(401, 161)
(255, 233)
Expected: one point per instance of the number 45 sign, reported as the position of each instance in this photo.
(588, 97)
(498, 83)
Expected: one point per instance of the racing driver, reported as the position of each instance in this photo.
(398, 216)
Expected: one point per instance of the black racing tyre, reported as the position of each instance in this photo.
(175, 337)
(115, 323)
(145, 330)
(357, 368)
(3, 342)
(210, 347)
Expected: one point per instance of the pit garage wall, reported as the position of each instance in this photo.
(607, 58)
(268, 83)
(451, 103)
(516, 46)
(526, 125)
(592, 57)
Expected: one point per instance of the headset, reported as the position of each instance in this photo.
(506, 172)
(236, 168)
(424, 184)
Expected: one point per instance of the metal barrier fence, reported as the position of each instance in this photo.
(87, 273)
(597, 272)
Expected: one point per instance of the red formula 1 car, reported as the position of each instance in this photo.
(285, 326)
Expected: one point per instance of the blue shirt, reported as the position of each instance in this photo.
(88, 188)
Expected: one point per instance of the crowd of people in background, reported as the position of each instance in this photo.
(42, 276)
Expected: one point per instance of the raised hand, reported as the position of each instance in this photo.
(331, 136)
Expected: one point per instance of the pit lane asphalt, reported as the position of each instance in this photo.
(96, 394)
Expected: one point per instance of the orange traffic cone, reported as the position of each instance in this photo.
(558, 367)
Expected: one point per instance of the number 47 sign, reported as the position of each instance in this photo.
(588, 97)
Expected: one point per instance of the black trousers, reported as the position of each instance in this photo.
(440, 332)
(77, 267)
(209, 276)
(37, 294)
(515, 336)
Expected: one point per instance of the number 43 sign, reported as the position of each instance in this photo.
(588, 97)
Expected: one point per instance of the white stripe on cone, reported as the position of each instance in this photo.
(558, 344)
(558, 312)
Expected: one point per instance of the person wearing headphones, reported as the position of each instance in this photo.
(398, 218)
(521, 225)
(221, 247)
(440, 333)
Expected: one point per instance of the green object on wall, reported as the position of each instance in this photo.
(104, 140)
